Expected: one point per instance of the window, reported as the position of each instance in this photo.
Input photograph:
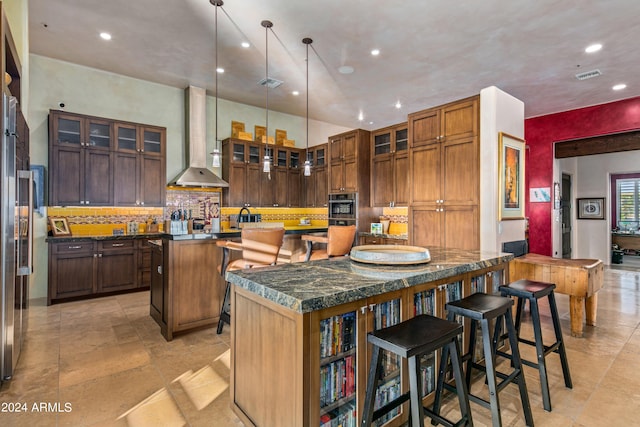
(628, 197)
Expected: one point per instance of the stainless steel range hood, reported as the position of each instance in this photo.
(197, 174)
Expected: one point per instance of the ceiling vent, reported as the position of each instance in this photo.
(270, 83)
(588, 74)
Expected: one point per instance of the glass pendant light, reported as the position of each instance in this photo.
(266, 165)
(216, 150)
(307, 163)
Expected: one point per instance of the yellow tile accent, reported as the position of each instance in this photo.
(398, 228)
(395, 211)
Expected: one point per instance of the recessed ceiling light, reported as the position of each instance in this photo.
(370, 123)
(619, 86)
(361, 116)
(375, 52)
(105, 36)
(295, 93)
(220, 70)
(245, 44)
(593, 48)
(398, 105)
(345, 69)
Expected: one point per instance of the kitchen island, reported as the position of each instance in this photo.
(279, 342)
(186, 287)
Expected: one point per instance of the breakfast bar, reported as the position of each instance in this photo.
(280, 348)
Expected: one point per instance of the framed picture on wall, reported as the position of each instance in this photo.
(590, 208)
(510, 177)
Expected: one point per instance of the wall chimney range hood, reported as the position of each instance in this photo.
(197, 174)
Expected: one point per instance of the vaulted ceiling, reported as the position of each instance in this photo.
(431, 51)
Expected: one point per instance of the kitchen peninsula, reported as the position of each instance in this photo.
(279, 340)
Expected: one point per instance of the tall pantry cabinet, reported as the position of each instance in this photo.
(445, 175)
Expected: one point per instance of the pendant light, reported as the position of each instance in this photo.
(307, 163)
(266, 166)
(216, 149)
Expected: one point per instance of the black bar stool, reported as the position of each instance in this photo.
(410, 339)
(530, 290)
(482, 309)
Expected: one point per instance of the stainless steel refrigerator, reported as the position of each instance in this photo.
(16, 243)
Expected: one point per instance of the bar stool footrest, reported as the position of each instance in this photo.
(384, 410)
(438, 419)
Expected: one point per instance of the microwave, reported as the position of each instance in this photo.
(343, 206)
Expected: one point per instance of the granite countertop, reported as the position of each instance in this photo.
(309, 286)
(384, 235)
(223, 234)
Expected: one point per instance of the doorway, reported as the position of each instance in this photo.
(565, 208)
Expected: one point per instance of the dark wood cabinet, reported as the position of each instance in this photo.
(242, 169)
(101, 162)
(140, 166)
(376, 240)
(316, 185)
(89, 267)
(159, 295)
(390, 166)
(445, 175)
(250, 186)
(349, 165)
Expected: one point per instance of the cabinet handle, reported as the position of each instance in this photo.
(99, 255)
(95, 255)
(159, 269)
(142, 203)
(116, 245)
(74, 247)
(371, 307)
(363, 309)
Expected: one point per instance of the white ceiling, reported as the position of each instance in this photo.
(432, 51)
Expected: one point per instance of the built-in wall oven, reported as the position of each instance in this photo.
(343, 208)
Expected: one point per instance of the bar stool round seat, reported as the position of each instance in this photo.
(482, 309)
(410, 339)
(532, 291)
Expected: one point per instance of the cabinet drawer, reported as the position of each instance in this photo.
(116, 244)
(71, 247)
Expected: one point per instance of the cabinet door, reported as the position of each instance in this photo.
(156, 287)
(350, 178)
(461, 227)
(98, 134)
(144, 264)
(294, 190)
(66, 185)
(279, 185)
(460, 171)
(254, 177)
(152, 180)
(268, 182)
(117, 267)
(460, 120)
(126, 172)
(425, 174)
(336, 177)
(424, 127)
(425, 225)
(153, 141)
(322, 182)
(335, 149)
(382, 180)
(98, 173)
(67, 129)
(309, 183)
(237, 179)
(71, 270)
(126, 138)
(401, 179)
(350, 146)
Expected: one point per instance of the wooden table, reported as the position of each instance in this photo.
(581, 279)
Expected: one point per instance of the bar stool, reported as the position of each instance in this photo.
(410, 339)
(531, 290)
(481, 309)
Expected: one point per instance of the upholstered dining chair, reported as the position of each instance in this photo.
(338, 241)
(260, 247)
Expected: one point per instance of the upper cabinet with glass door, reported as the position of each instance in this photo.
(81, 131)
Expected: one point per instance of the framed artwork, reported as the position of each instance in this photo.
(59, 226)
(590, 208)
(259, 132)
(376, 228)
(542, 194)
(510, 177)
(236, 128)
(280, 136)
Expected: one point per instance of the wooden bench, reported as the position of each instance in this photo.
(581, 279)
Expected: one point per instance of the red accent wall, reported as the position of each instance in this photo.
(541, 133)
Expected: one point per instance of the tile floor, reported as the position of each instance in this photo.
(103, 362)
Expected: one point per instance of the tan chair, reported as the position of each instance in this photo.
(339, 240)
(260, 248)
